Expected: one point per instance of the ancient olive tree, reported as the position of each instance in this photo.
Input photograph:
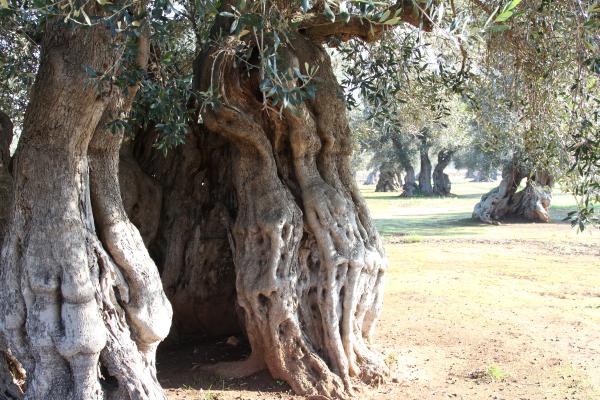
(79, 293)
(308, 263)
(505, 201)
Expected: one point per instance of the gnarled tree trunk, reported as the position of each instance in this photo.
(78, 290)
(425, 186)
(409, 187)
(388, 179)
(308, 261)
(441, 181)
(531, 203)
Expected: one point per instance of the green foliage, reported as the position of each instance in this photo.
(525, 72)
(495, 373)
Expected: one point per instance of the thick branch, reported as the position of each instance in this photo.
(319, 27)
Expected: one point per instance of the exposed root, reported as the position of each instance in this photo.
(238, 369)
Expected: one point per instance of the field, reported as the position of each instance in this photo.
(471, 311)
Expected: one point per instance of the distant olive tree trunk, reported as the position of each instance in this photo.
(370, 180)
(425, 185)
(388, 178)
(441, 181)
(409, 186)
(410, 181)
(78, 289)
(531, 203)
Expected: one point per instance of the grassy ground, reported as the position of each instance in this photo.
(473, 311)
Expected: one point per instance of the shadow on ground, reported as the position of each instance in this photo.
(449, 224)
(181, 366)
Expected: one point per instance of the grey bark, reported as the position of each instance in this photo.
(425, 186)
(77, 287)
(531, 203)
(389, 180)
(11, 376)
(441, 181)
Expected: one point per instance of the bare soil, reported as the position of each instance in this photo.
(516, 319)
(471, 312)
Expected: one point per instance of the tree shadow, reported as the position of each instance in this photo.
(447, 224)
(180, 366)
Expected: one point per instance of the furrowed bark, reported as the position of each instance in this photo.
(78, 290)
(10, 371)
(308, 262)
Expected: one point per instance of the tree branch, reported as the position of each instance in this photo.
(319, 28)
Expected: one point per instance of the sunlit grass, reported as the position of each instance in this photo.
(451, 216)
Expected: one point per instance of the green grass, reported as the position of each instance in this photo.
(445, 217)
(496, 373)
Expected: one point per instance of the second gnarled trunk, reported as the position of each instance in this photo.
(308, 261)
(531, 203)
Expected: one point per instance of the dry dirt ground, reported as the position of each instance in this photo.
(471, 311)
